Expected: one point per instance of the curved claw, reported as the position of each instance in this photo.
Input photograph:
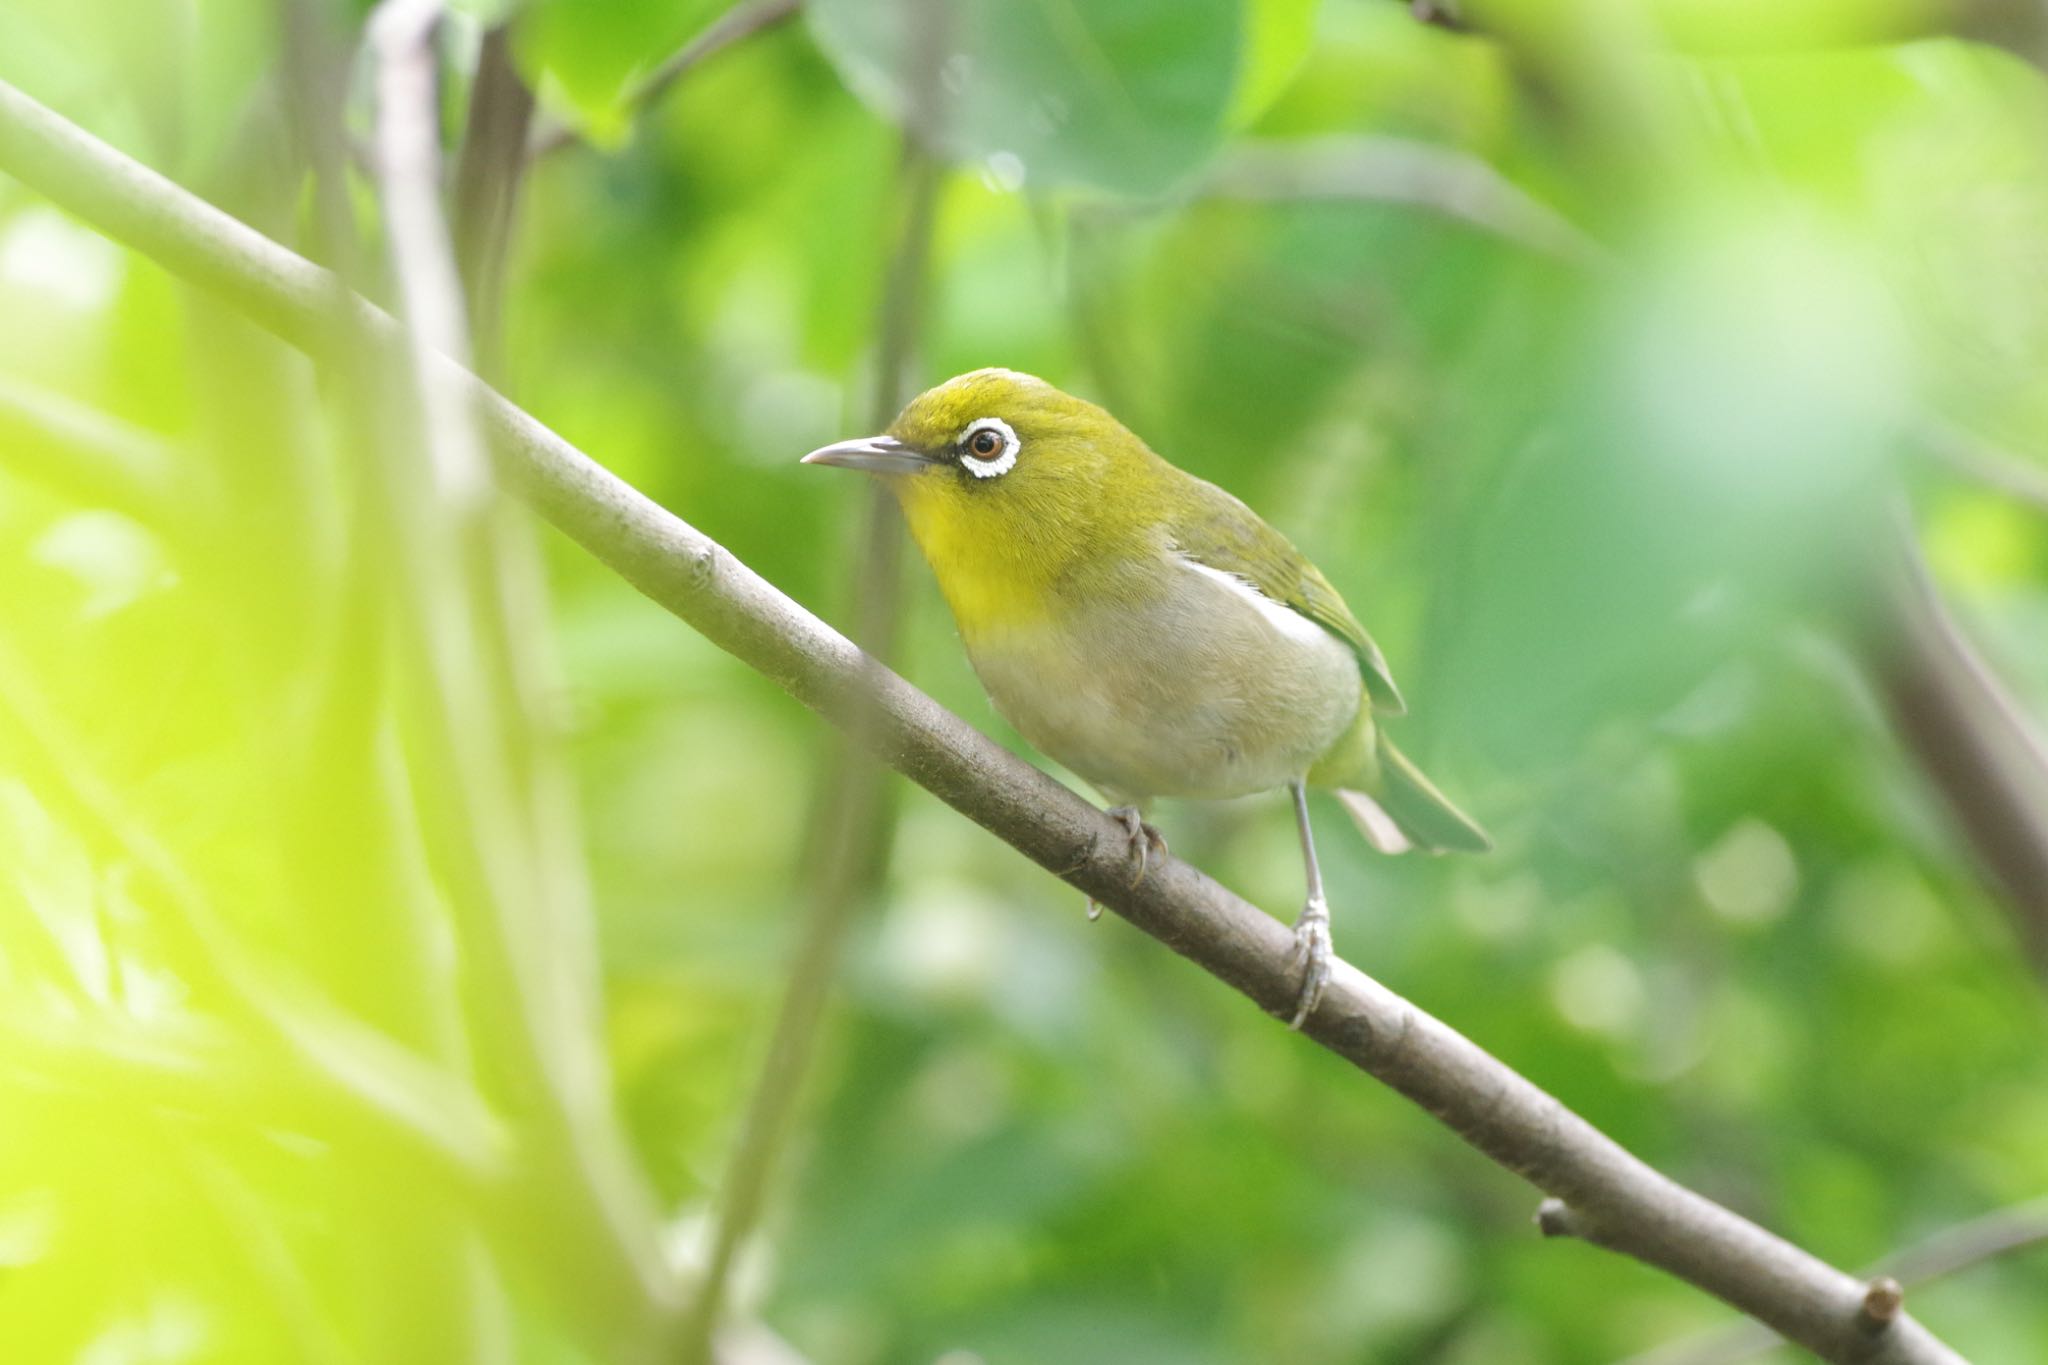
(1145, 841)
(1312, 951)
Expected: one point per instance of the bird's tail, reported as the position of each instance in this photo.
(1403, 809)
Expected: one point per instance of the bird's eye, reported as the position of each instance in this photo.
(988, 448)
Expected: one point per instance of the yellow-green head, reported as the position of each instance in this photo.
(1008, 485)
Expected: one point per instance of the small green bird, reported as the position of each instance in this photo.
(1144, 627)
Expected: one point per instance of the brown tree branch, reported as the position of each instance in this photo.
(1614, 1198)
(488, 175)
(1970, 738)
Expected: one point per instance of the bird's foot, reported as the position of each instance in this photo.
(1145, 841)
(1312, 953)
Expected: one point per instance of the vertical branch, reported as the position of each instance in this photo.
(490, 786)
(401, 37)
(848, 847)
(488, 178)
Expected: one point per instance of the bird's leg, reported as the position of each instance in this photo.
(1145, 841)
(1312, 930)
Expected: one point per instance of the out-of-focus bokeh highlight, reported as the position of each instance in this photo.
(1616, 361)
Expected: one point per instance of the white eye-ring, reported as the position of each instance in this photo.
(988, 447)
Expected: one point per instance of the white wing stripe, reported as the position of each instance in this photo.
(1280, 616)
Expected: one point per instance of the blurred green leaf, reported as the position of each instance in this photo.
(1124, 95)
(583, 55)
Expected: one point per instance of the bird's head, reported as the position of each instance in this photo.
(997, 467)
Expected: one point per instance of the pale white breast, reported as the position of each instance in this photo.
(1191, 683)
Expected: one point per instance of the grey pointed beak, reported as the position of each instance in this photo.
(875, 454)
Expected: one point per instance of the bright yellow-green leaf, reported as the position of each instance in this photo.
(1274, 42)
(584, 55)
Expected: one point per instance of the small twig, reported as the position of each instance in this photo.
(2018, 26)
(88, 455)
(1554, 1218)
(1999, 1233)
(1626, 1204)
(1970, 455)
(743, 20)
(1882, 1302)
(1379, 169)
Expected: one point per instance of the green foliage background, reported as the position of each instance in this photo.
(1609, 509)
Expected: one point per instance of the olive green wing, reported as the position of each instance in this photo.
(1215, 529)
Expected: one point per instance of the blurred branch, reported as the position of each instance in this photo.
(469, 601)
(87, 455)
(1971, 741)
(1380, 169)
(1439, 14)
(408, 168)
(743, 20)
(1999, 1233)
(415, 1102)
(850, 825)
(1605, 1195)
(1973, 457)
(2020, 27)
(487, 181)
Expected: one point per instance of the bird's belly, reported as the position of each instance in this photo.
(1201, 695)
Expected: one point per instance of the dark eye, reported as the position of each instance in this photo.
(986, 443)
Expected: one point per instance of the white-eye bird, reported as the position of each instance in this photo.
(1144, 627)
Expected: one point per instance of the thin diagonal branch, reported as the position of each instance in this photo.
(742, 21)
(2018, 26)
(1380, 169)
(86, 454)
(1972, 741)
(1613, 1198)
(1973, 457)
